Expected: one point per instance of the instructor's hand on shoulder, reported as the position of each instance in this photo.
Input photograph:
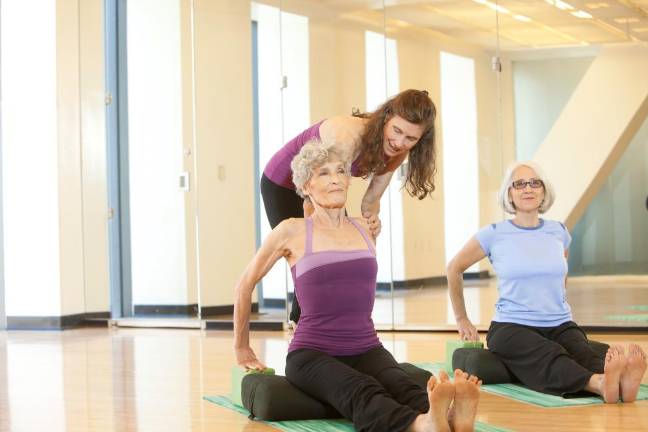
(374, 223)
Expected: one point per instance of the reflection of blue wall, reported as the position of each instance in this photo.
(612, 235)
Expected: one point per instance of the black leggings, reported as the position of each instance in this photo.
(555, 360)
(281, 203)
(370, 389)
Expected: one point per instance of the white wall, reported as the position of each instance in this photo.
(542, 88)
(155, 153)
(30, 158)
(461, 173)
(595, 127)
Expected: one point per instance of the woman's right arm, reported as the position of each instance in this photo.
(467, 256)
(272, 249)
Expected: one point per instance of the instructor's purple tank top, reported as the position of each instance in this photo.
(336, 291)
(278, 168)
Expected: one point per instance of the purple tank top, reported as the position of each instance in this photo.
(336, 291)
(278, 168)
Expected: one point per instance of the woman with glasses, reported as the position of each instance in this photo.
(532, 331)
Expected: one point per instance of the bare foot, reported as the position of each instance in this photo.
(465, 401)
(633, 373)
(440, 394)
(615, 363)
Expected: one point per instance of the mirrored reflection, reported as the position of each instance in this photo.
(561, 55)
(158, 54)
(446, 48)
(332, 63)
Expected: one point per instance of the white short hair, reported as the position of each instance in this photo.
(312, 155)
(503, 195)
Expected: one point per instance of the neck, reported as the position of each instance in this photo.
(328, 217)
(527, 219)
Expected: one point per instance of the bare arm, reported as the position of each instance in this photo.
(371, 200)
(567, 275)
(370, 206)
(273, 248)
(467, 256)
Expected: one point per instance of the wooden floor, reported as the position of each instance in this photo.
(101, 379)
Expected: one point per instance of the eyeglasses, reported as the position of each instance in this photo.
(521, 184)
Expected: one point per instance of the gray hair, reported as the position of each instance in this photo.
(503, 195)
(313, 155)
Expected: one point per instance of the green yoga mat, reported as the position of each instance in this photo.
(641, 308)
(631, 318)
(328, 425)
(523, 394)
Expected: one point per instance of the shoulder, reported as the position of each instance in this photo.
(288, 228)
(496, 227)
(341, 129)
(362, 223)
(554, 225)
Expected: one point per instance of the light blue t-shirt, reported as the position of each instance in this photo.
(531, 266)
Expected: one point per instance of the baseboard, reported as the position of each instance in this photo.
(207, 311)
(56, 322)
(277, 303)
(254, 325)
(429, 281)
(189, 310)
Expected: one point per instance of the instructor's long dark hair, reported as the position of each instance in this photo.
(416, 107)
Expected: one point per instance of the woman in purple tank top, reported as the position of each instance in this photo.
(377, 143)
(335, 354)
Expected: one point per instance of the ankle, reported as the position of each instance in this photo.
(594, 384)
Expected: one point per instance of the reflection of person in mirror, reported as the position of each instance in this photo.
(532, 331)
(377, 143)
(335, 355)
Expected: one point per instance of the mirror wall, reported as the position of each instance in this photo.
(216, 88)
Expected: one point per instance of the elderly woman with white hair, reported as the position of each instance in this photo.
(335, 355)
(532, 331)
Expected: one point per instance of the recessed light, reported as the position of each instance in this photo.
(560, 4)
(581, 14)
(599, 5)
(522, 18)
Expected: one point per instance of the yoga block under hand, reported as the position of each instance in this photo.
(238, 373)
(452, 345)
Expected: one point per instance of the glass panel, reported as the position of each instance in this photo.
(562, 60)
(333, 63)
(446, 48)
(267, 20)
(163, 279)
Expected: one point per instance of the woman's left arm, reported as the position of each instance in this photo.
(567, 275)
(370, 206)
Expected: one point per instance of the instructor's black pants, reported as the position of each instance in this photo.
(370, 389)
(555, 360)
(281, 203)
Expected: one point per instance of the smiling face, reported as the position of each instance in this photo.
(528, 198)
(399, 136)
(328, 184)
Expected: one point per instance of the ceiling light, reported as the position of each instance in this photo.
(581, 14)
(493, 6)
(560, 4)
(626, 20)
(522, 18)
(599, 5)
